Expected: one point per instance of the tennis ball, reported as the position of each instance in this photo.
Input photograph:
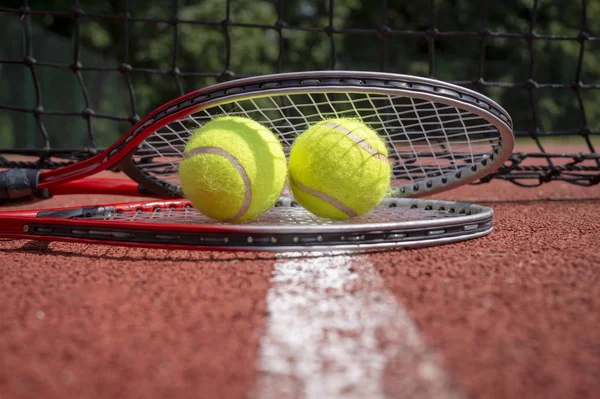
(233, 170)
(339, 169)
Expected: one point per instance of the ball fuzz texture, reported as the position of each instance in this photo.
(233, 170)
(339, 169)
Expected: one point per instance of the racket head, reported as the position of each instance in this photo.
(439, 135)
(175, 224)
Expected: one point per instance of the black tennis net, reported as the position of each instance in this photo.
(75, 75)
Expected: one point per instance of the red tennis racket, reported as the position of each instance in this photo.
(175, 224)
(439, 135)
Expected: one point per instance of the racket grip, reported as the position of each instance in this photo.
(20, 184)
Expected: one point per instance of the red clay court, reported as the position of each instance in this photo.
(509, 315)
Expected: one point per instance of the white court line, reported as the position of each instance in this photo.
(335, 331)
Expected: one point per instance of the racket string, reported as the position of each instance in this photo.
(284, 216)
(425, 139)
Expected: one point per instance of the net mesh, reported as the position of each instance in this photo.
(75, 75)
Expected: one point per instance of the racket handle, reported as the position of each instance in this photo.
(21, 184)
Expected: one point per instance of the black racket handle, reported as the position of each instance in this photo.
(18, 185)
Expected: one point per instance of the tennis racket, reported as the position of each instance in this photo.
(439, 135)
(175, 224)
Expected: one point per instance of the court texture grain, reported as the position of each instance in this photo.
(514, 314)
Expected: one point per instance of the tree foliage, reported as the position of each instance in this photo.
(178, 46)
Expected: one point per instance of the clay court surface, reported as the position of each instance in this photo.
(511, 315)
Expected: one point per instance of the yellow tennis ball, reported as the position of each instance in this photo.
(234, 169)
(339, 169)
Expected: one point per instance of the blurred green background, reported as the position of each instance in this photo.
(206, 41)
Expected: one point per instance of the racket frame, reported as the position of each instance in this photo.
(119, 155)
(73, 225)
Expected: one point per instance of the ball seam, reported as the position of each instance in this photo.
(360, 141)
(325, 197)
(237, 166)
